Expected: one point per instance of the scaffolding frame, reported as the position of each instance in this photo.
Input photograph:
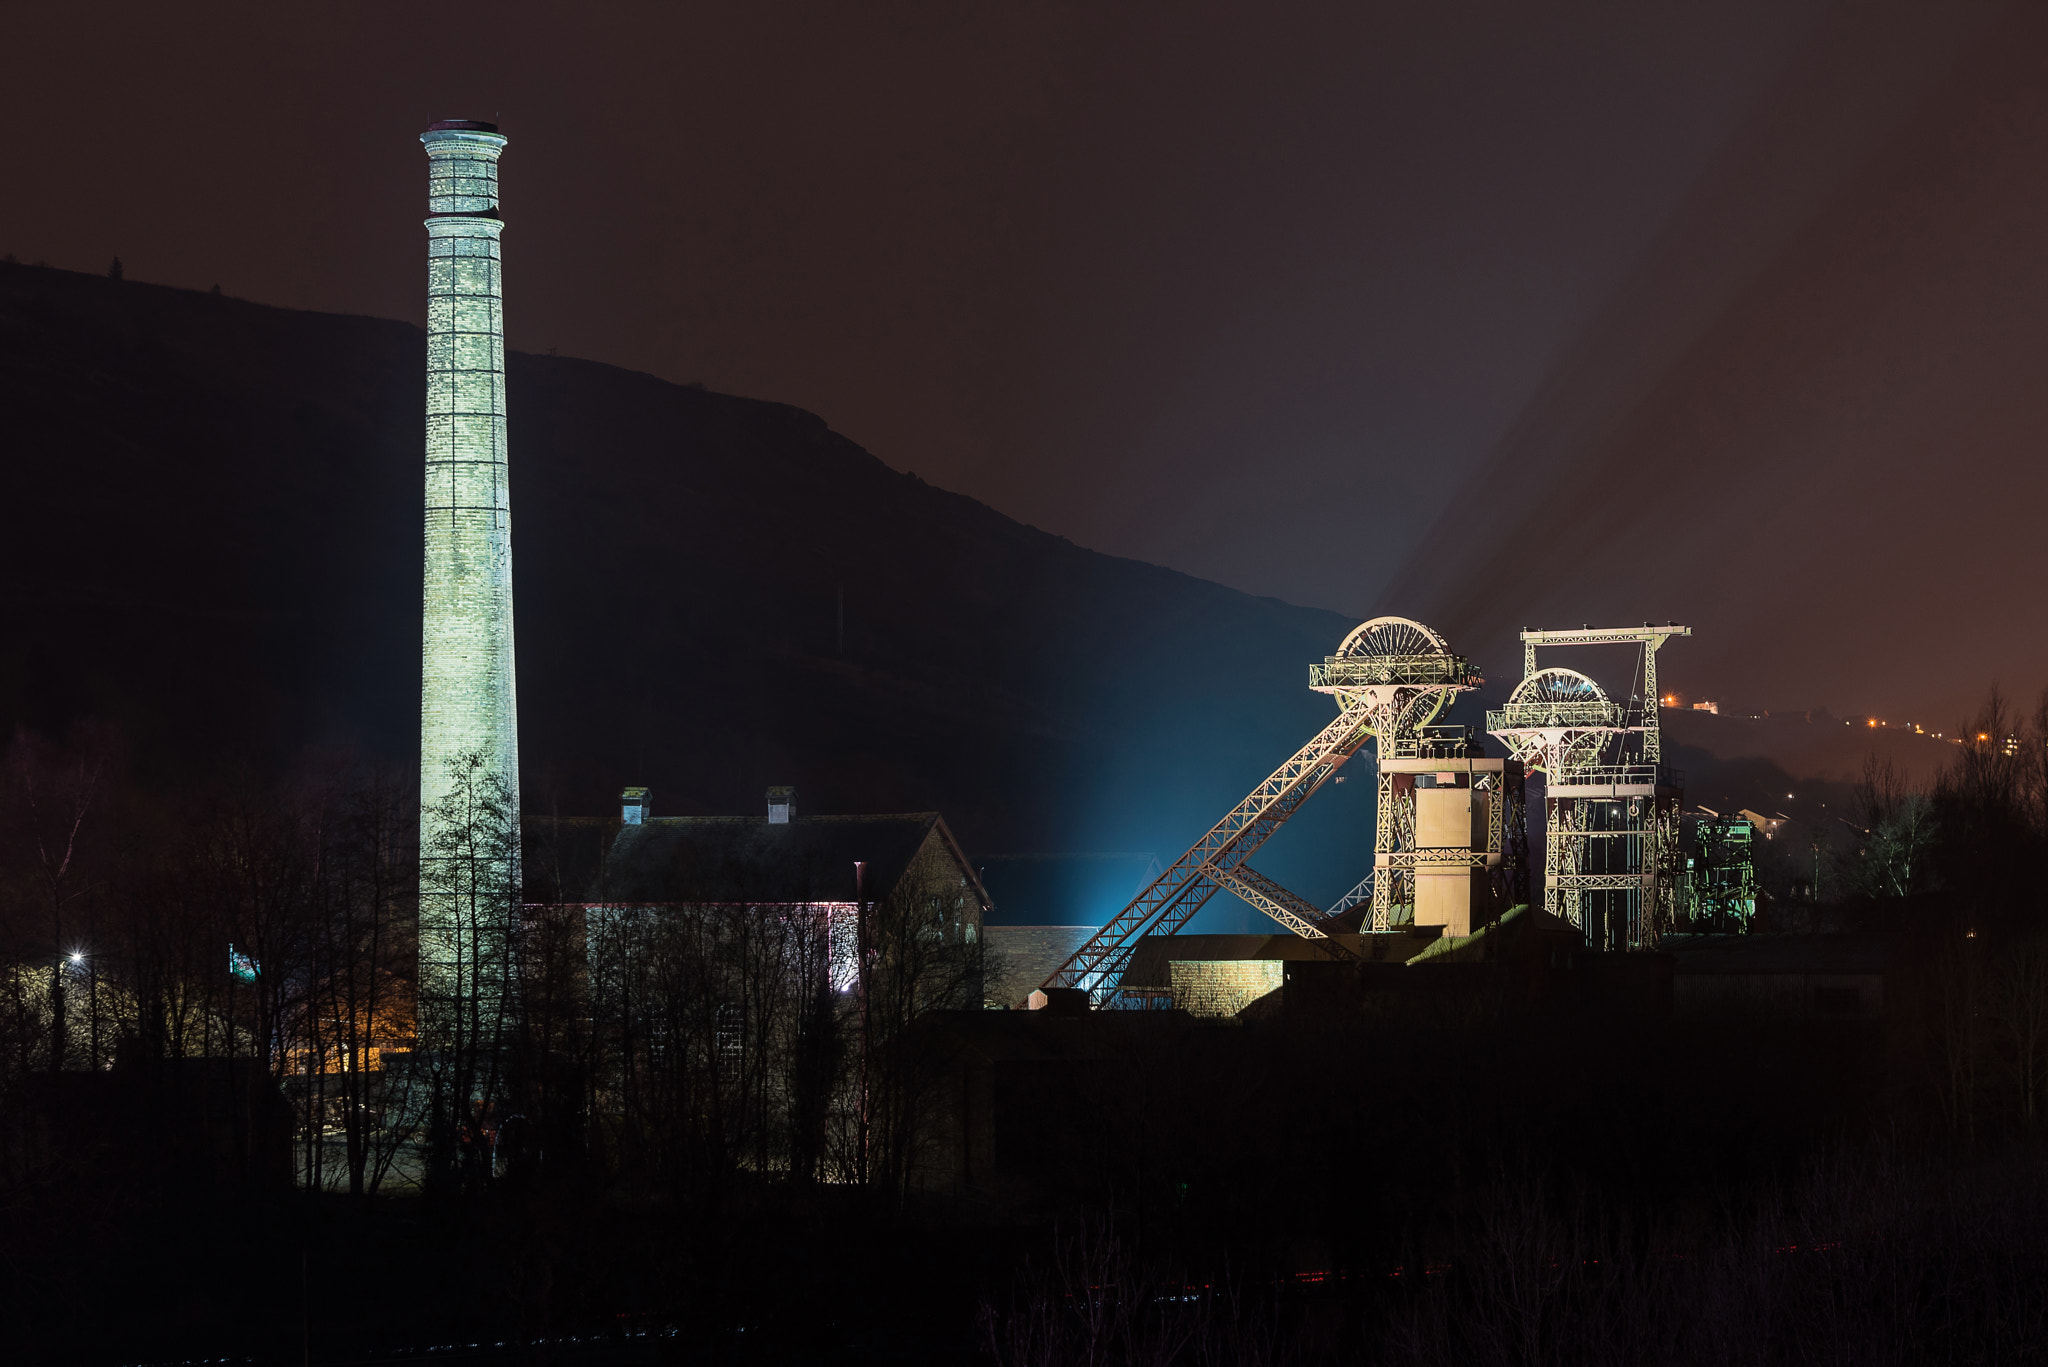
(1611, 852)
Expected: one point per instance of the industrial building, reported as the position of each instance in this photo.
(1449, 874)
(1450, 859)
(1610, 850)
(1720, 872)
(640, 869)
(1447, 839)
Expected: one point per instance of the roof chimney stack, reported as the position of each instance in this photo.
(781, 806)
(634, 804)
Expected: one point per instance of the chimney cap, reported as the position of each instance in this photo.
(461, 126)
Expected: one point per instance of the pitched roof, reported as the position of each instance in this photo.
(747, 859)
(1521, 929)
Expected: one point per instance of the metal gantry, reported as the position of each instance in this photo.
(1390, 677)
(1407, 673)
(1611, 853)
(1720, 882)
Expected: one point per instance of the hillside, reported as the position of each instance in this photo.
(212, 538)
(213, 541)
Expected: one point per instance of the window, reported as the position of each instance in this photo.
(731, 1042)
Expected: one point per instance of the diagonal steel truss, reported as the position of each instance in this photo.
(1361, 891)
(1290, 909)
(1218, 857)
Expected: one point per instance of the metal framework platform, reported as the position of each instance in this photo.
(1611, 854)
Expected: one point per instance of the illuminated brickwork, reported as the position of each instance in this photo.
(1214, 987)
(468, 703)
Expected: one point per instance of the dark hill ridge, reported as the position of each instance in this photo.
(212, 537)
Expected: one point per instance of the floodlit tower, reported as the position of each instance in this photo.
(1445, 815)
(1610, 848)
(468, 704)
(1390, 677)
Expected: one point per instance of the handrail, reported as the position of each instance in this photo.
(1603, 716)
(1426, 671)
(1620, 774)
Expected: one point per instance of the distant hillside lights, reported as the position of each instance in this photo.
(2010, 744)
(1677, 702)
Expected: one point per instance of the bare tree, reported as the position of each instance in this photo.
(717, 1039)
(53, 790)
(359, 1004)
(1898, 834)
(922, 952)
(469, 902)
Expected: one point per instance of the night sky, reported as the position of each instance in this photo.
(1365, 306)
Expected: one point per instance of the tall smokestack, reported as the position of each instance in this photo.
(469, 711)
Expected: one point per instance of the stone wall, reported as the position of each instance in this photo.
(1222, 987)
(1022, 957)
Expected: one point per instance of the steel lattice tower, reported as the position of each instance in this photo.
(468, 701)
(1405, 673)
(1389, 678)
(1610, 847)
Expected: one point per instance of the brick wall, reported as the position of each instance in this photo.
(467, 702)
(1222, 987)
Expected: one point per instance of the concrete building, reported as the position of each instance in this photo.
(469, 713)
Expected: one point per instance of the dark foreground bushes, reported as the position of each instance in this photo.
(1865, 1259)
